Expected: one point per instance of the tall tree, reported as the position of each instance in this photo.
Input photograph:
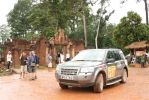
(146, 10)
(130, 29)
(101, 18)
(17, 18)
(4, 33)
(48, 16)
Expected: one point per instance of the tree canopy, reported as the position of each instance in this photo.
(33, 18)
(17, 18)
(130, 29)
(4, 33)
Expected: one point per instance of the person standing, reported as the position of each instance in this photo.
(67, 56)
(49, 61)
(29, 68)
(61, 57)
(58, 57)
(142, 61)
(34, 62)
(9, 60)
(23, 61)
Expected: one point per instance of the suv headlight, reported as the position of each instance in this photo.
(87, 70)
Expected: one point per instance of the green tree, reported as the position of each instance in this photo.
(4, 33)
(52, 15)
(17, 18)
(41, 20)
(105, 37)
(107, 41)
(102, 17)
(130, 29)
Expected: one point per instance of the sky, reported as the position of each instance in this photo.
(5, 7)
(120, 10)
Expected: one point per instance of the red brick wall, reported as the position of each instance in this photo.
(41, 51)
(41, 45)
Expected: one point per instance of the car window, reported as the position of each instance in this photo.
(117, 56)
(110, 55)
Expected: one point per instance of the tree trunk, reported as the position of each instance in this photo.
(85, 32)
(146, 10)
(96, 38)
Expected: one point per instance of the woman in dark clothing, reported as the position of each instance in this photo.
(23, 60)
(58, 58)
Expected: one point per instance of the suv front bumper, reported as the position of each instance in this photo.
(80, 80)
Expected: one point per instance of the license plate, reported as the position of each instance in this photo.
(67, 77)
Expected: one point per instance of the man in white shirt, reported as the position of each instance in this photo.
(9, 60)
(62, 57)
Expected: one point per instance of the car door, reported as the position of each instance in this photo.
(119, 63)
(111, 66)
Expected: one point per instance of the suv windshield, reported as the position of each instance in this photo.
(90, 55)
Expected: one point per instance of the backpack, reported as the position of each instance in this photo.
(37, 59)
(33, 61)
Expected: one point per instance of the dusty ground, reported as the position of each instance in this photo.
(46, 88)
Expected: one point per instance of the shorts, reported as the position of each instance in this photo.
(23, 68)
(50, 65)
(32, 69)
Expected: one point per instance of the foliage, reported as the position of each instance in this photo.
(130, 29)
(105, 37)
(48, 16)
(107, 41)
(44, 18)
(17, 18)
(102, 17)
(4, 33)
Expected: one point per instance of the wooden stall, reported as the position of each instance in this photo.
(137, 49)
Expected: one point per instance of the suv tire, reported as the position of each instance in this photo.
(63, 86)
(99, 84)
(124, 76)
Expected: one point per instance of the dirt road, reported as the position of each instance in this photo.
(46, 88)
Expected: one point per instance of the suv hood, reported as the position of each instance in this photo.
(79, 63)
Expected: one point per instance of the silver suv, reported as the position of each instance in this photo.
(93, 67)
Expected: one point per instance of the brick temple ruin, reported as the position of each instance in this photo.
(58, 43)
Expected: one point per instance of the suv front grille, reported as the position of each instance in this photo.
(66, 71)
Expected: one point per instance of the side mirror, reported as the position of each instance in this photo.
(110, 60)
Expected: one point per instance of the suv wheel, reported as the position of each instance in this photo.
(63, 86)
(99, 84)
(124, 76)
